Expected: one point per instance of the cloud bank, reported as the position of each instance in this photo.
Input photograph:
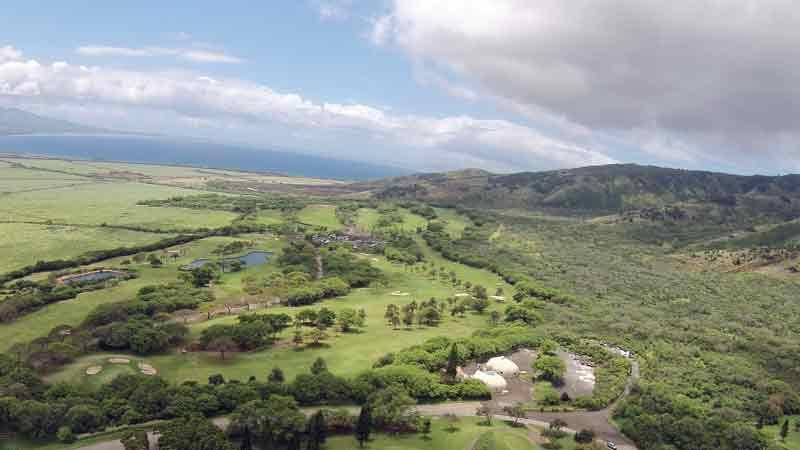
(195, 55)
(174, 101)
(706, 81)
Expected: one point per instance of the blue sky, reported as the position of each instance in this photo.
(424, 84)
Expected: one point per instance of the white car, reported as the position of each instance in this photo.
(611, 445)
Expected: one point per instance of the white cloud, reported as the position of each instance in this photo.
(717, 77)
(166, 101)
(195, 55)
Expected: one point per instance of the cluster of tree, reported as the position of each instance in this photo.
(97, 256)
(524, 312)
(25, 296)
(426, 313)
(239, 204)
(252, 331)
(655, 417)
(231, 248)
(400, 246)
(433, 355)
(340, 262)
(315, 291)
(140, 325)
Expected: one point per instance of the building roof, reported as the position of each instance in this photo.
(502, 365)
(492, 379)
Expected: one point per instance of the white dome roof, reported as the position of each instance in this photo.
(503, 366)
(491, 379)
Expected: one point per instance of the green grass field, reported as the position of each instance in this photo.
(14, 179)
(23, 244)
(111, 203)
(792, 441)
(347, 354)
(320, 215)
(367, 219)
(467, 433)
(454, 222)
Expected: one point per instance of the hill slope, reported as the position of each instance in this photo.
(626, 189)
(15, 121)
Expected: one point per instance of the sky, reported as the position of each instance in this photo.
(427, 85)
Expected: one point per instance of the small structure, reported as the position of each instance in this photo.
(503, 366)
(492, 379)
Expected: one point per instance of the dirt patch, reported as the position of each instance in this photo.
(579, 378)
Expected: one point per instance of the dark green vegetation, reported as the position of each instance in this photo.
(433, 272)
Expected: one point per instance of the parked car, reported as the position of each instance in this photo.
(611, 445)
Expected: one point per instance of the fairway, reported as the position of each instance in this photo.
(321, 216)
(367, 220)
(466, 433)
(347, 354)
(24, 244)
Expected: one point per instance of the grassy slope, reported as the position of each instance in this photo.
(346, 354)
(792, 441)
(23, 244)
(320, 215)
(367, 219)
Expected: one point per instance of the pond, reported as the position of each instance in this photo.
(97, 275)
(252, 259)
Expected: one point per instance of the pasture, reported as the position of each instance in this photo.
(23, 244)
(109, 203)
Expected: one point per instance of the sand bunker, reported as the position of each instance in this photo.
(147, 369)
(463, 294)
(400, 294)
(94, 370)
(119, 360)
(497, 297)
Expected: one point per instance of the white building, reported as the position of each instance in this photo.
(503, 366)
(491, 379)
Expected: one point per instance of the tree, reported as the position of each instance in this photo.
(364, 426)
(392, 409)
(201, 276)
(275, 422)
(426, 428)
(192, 434)
(65, 435)
(408, 316)
(494, 318)
(347, 319)
(247, 439)
(485, 411)
(276, 376)
(316, 431)
(317, 335)
(479, 305)
(362, 318)
(392, 312)
(451, 370)
(550, 368)
(548, 347)
(785, 429)
(154, 260)
(297, 339)
(216, 380)
(480, 292)
(584, 436)
(222, 344)
(319, 366)
(135, 440)
(516, 412)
